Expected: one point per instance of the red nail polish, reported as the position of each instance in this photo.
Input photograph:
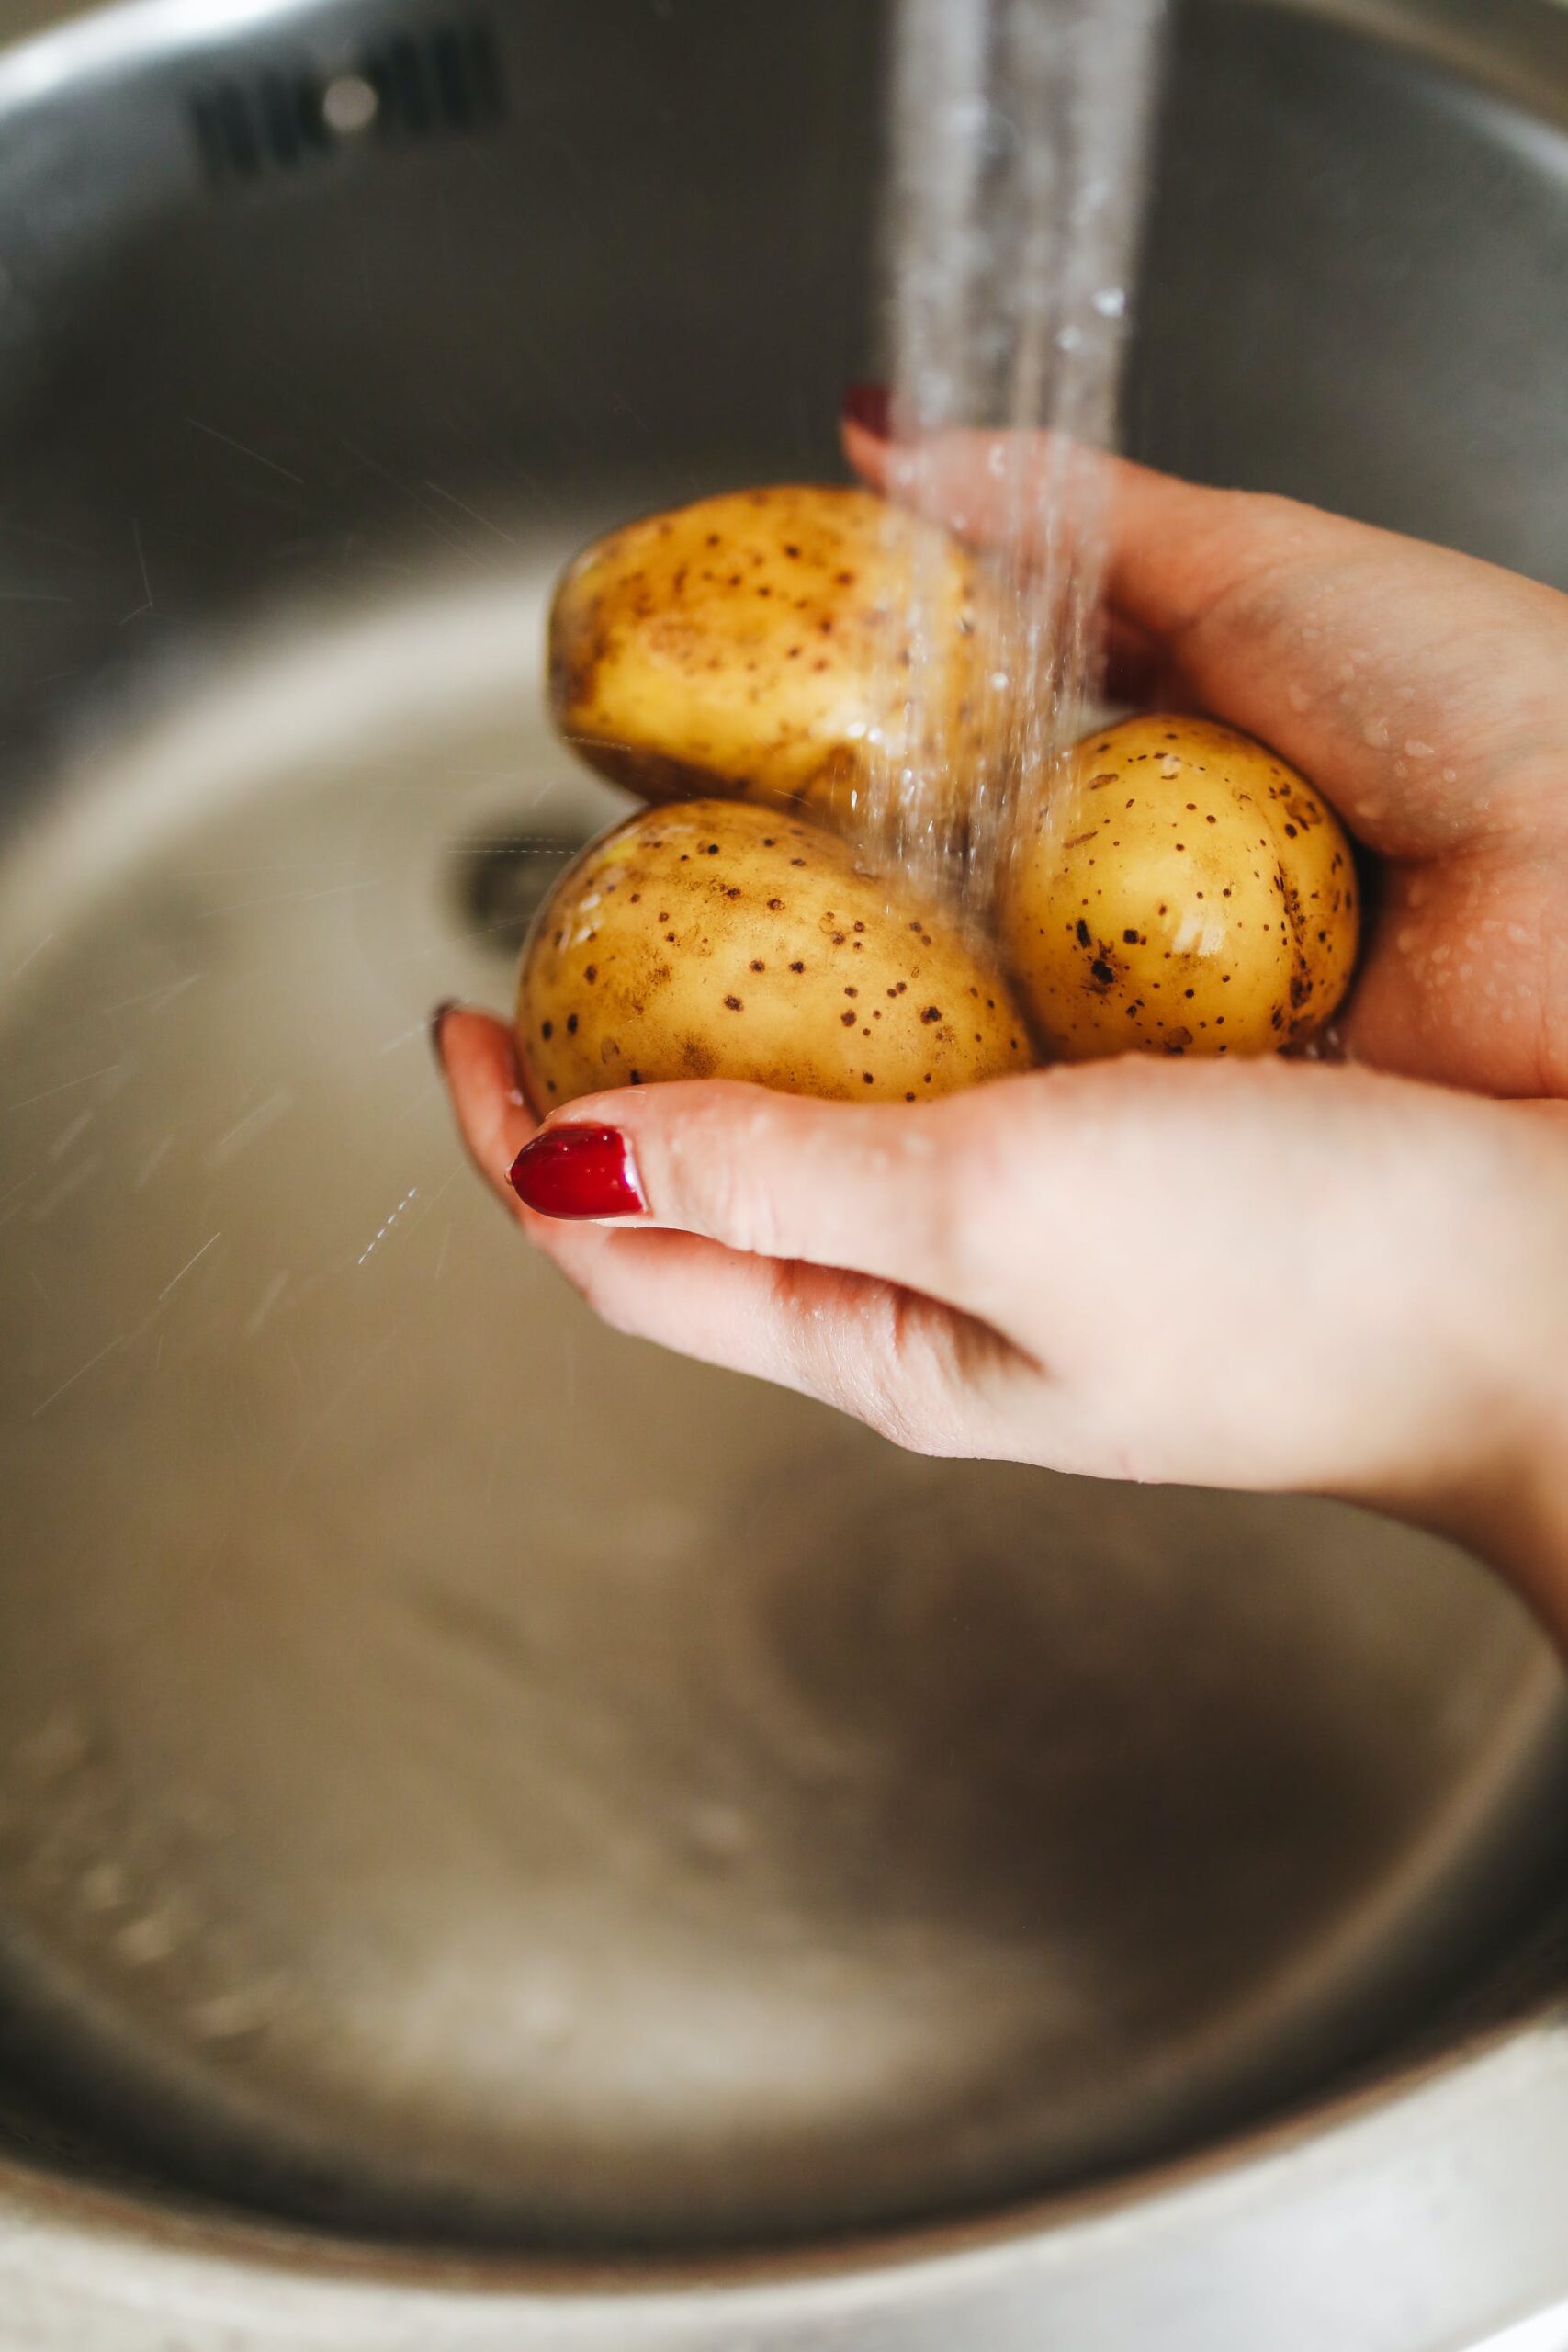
(871, 407)
(438, 1022)
(577, 1171)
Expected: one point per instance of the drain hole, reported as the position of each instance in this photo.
(448, 79)
(275, 119)
(413, 86)
(502, 883)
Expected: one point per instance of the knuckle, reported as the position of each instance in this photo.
(888, 1365)
(911, 1378)
(720, 1186)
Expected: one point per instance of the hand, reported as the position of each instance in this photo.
(1424, 693)
(1267, 1274)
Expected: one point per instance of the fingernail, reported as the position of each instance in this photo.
(871, 407)
(438, 1022)
(577, 1171)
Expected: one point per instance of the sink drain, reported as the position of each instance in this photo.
(503, 881)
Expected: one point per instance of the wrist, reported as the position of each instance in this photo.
(1495, 1475)
(1522, 1528)
(1508, 1504)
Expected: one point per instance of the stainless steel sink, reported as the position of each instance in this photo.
(506, 1838)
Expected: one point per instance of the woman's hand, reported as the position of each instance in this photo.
(1265, 1274)
(1426, 693)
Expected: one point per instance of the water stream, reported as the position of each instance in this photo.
(1018, 139)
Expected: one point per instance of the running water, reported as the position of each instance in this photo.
(1019, 130)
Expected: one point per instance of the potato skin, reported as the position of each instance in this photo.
(749, 644)
(713, 939)
(1184, 892)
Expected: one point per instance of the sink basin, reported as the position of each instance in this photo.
(500, 1829)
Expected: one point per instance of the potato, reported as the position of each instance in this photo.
(752, 643)
(717, 940)
(1184, 891)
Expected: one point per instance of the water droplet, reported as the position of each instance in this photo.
(548, 2017)
(103, 1888)
(143, 1940)
(349, 105)
(55, 1749)
(412, 1194)
(245, 2009)
(717, 1833)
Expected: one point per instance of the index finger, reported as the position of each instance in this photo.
(1421, 689)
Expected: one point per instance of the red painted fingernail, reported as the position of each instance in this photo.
(871, 407)
(577, 1171)
(438, 1022)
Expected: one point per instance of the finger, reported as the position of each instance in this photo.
(477, 1056)
(905, 1365)
(1421, 688)
(732, 1165)
(1137, 671)
(884, 1190)
(996, 488)
(919, 1374)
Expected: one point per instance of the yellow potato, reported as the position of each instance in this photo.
(713, 939)
(1184, 892)
(752, 643)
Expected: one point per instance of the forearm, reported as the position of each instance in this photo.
(1521, 1529)
(1509, 1500)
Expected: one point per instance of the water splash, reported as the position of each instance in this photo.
(1019, 130)
(372, 1246)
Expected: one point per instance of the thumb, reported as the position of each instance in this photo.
(884, 1190)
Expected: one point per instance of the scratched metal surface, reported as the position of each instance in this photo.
(462, 1775)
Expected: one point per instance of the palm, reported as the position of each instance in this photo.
(1460, 983)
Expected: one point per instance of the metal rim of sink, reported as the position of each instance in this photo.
(1388, 2152)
